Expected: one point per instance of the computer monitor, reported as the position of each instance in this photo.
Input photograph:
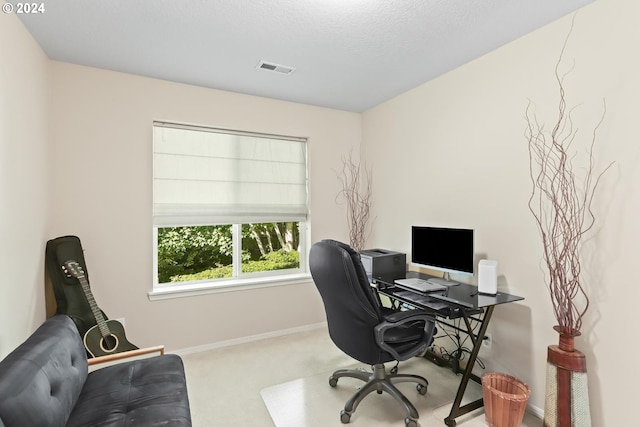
(443, 249)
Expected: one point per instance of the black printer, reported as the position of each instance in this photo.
(382, 262)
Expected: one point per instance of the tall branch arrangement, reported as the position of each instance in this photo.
(356, 192)
(561, 203)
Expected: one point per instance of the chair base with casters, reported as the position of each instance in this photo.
(379, 380)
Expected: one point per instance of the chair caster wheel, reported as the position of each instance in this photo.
(410, 422)
(450, 422)
(333, 381)
(345, 417)
(421, 389)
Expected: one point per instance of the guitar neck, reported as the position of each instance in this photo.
(97, 314)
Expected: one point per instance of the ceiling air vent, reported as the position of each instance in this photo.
(276, 68)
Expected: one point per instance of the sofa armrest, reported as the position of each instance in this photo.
(41, 380)
(125, 356)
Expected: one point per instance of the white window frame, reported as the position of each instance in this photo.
(239, 281)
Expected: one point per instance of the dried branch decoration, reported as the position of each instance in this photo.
(561, 204)
(356, 191)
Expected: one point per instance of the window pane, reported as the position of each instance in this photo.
(194, 253)
(270, 246)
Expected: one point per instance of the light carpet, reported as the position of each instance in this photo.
(311, 402)
(284, 381)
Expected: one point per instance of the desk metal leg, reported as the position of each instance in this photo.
(456, 409)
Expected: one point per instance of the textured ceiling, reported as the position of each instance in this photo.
(347, 54)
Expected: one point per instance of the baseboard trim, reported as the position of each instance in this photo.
(538, 412)
(250, 338)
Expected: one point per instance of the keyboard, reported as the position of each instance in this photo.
(420, 285)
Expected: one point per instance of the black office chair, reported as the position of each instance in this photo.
(365, 330)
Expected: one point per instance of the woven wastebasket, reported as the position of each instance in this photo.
(505, 399)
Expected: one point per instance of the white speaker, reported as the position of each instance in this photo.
(488, 276)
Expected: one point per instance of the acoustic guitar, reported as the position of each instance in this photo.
(107, 336)
(68, 297)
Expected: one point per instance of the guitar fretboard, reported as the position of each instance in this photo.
(76, 271)
(102, 323)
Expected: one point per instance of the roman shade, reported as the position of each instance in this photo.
(208, 176)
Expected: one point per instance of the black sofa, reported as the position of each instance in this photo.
(46, 382)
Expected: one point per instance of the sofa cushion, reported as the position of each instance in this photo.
(145, 392)
(40, 381)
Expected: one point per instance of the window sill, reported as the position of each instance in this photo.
(203, 288)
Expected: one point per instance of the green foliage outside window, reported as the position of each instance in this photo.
(206, 252)
(278, 260)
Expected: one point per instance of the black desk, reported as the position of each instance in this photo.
(460, 301)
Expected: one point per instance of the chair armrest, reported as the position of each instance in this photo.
(141, 353)
(402, 318)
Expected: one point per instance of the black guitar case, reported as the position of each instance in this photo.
(69, 296)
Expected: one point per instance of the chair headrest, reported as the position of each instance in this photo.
(355, 258)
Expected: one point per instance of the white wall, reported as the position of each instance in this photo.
(24, 172)
(101, 145)
(452, 152)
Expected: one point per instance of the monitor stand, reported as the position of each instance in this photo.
(445, 280)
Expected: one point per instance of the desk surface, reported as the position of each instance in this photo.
(463, 294)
